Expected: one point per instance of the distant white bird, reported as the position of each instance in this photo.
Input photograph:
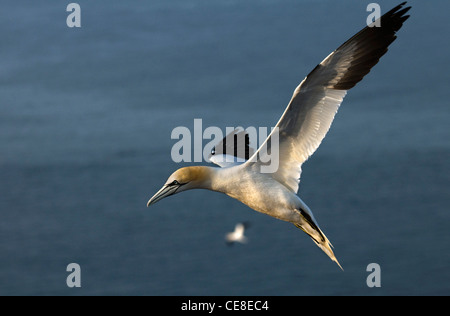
(238, 234)
(301, 129)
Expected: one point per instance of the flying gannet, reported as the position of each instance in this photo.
(238, 234)
(301, 129)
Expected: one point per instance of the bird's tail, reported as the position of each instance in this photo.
(319, 238)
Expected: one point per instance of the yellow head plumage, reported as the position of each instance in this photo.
(196, 174)
(184, 179)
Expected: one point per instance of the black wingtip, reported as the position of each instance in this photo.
(371, 44)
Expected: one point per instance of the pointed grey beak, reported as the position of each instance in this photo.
(165, 191)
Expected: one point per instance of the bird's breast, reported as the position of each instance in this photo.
(263, 194)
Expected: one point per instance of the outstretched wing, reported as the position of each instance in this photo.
(232, 150)
(316, 100)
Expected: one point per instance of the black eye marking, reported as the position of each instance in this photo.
(175, 182)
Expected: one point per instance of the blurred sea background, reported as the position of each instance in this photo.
(86, 116)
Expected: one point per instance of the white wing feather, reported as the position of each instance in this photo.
(316, 100)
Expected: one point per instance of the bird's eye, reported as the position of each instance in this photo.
(175, 182)
(213, 151)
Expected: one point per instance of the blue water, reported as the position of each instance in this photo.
(85, 122)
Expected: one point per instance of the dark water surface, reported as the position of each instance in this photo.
(85, 122)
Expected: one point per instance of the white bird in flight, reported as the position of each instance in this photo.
(301, 129)
(238, 234)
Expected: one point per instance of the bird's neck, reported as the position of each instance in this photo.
(225, 180)
(203, 177)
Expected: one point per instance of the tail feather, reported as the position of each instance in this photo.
(326, 247)
(321, 241)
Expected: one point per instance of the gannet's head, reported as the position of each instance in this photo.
(183, 179)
